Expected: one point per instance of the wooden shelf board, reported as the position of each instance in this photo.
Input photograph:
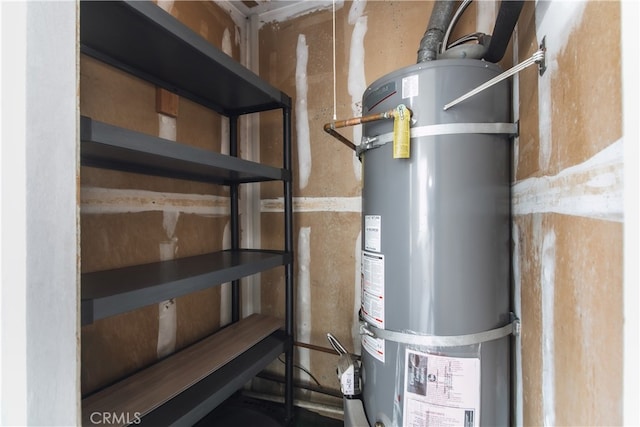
(148, 389)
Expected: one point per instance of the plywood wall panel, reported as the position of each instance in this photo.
(110, 95)
(329, 160)
(112, 241)
(570, 264)
(199, 127)
(587, 332)
(118, 346)
(271, 125)
(198, 315)
(272, 289)
(529, 124)
(208, 20)
(528, 264)
(586, 91)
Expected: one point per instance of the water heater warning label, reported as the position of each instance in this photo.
(441, 391)
(372, 231)
(410, 86)
(373, 288)
(372, 274)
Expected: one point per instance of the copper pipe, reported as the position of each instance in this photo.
(330, 128)
(339, 137)
(315, 347)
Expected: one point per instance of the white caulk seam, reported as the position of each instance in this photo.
(592, 189)
(547, 278)
(167, 325)
(304, 293)
(235, 14)
(167, 314)
(293, 10)
(168, 249)
(166, 5)
(226, 42)
(167, 127)
(302, 115)
(237, 37)
(556, 21)
(314, 204)
(96, 200)
(357, 82)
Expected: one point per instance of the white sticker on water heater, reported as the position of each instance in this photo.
(410, 87)
(372, 233)
(441, 390)
(372, 299)
(373, 288)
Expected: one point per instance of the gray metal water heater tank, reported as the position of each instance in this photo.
(436, 247)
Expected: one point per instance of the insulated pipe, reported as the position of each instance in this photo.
(438, 23)
(505, 23)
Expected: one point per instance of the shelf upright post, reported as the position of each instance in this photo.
(235, 218)
(288, 247)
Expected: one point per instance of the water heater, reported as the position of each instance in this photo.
(436, 249)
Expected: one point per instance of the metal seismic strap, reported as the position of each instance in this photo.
(512, 328)
(537, 58)
(441, 129)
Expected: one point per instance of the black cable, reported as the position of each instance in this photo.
(306, 371)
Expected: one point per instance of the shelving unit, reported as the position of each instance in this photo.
(143, 40)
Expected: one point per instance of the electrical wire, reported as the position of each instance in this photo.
(466, 38)
(453, 23)
(306, 371)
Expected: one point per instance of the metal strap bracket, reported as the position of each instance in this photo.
(512, 328)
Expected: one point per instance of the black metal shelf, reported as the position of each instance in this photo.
(144, 40)
(141, 39)
(111, 292)
(112, 147)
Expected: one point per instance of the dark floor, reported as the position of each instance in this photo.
(241, 411)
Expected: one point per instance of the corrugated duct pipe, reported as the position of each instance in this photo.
(438, 23)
